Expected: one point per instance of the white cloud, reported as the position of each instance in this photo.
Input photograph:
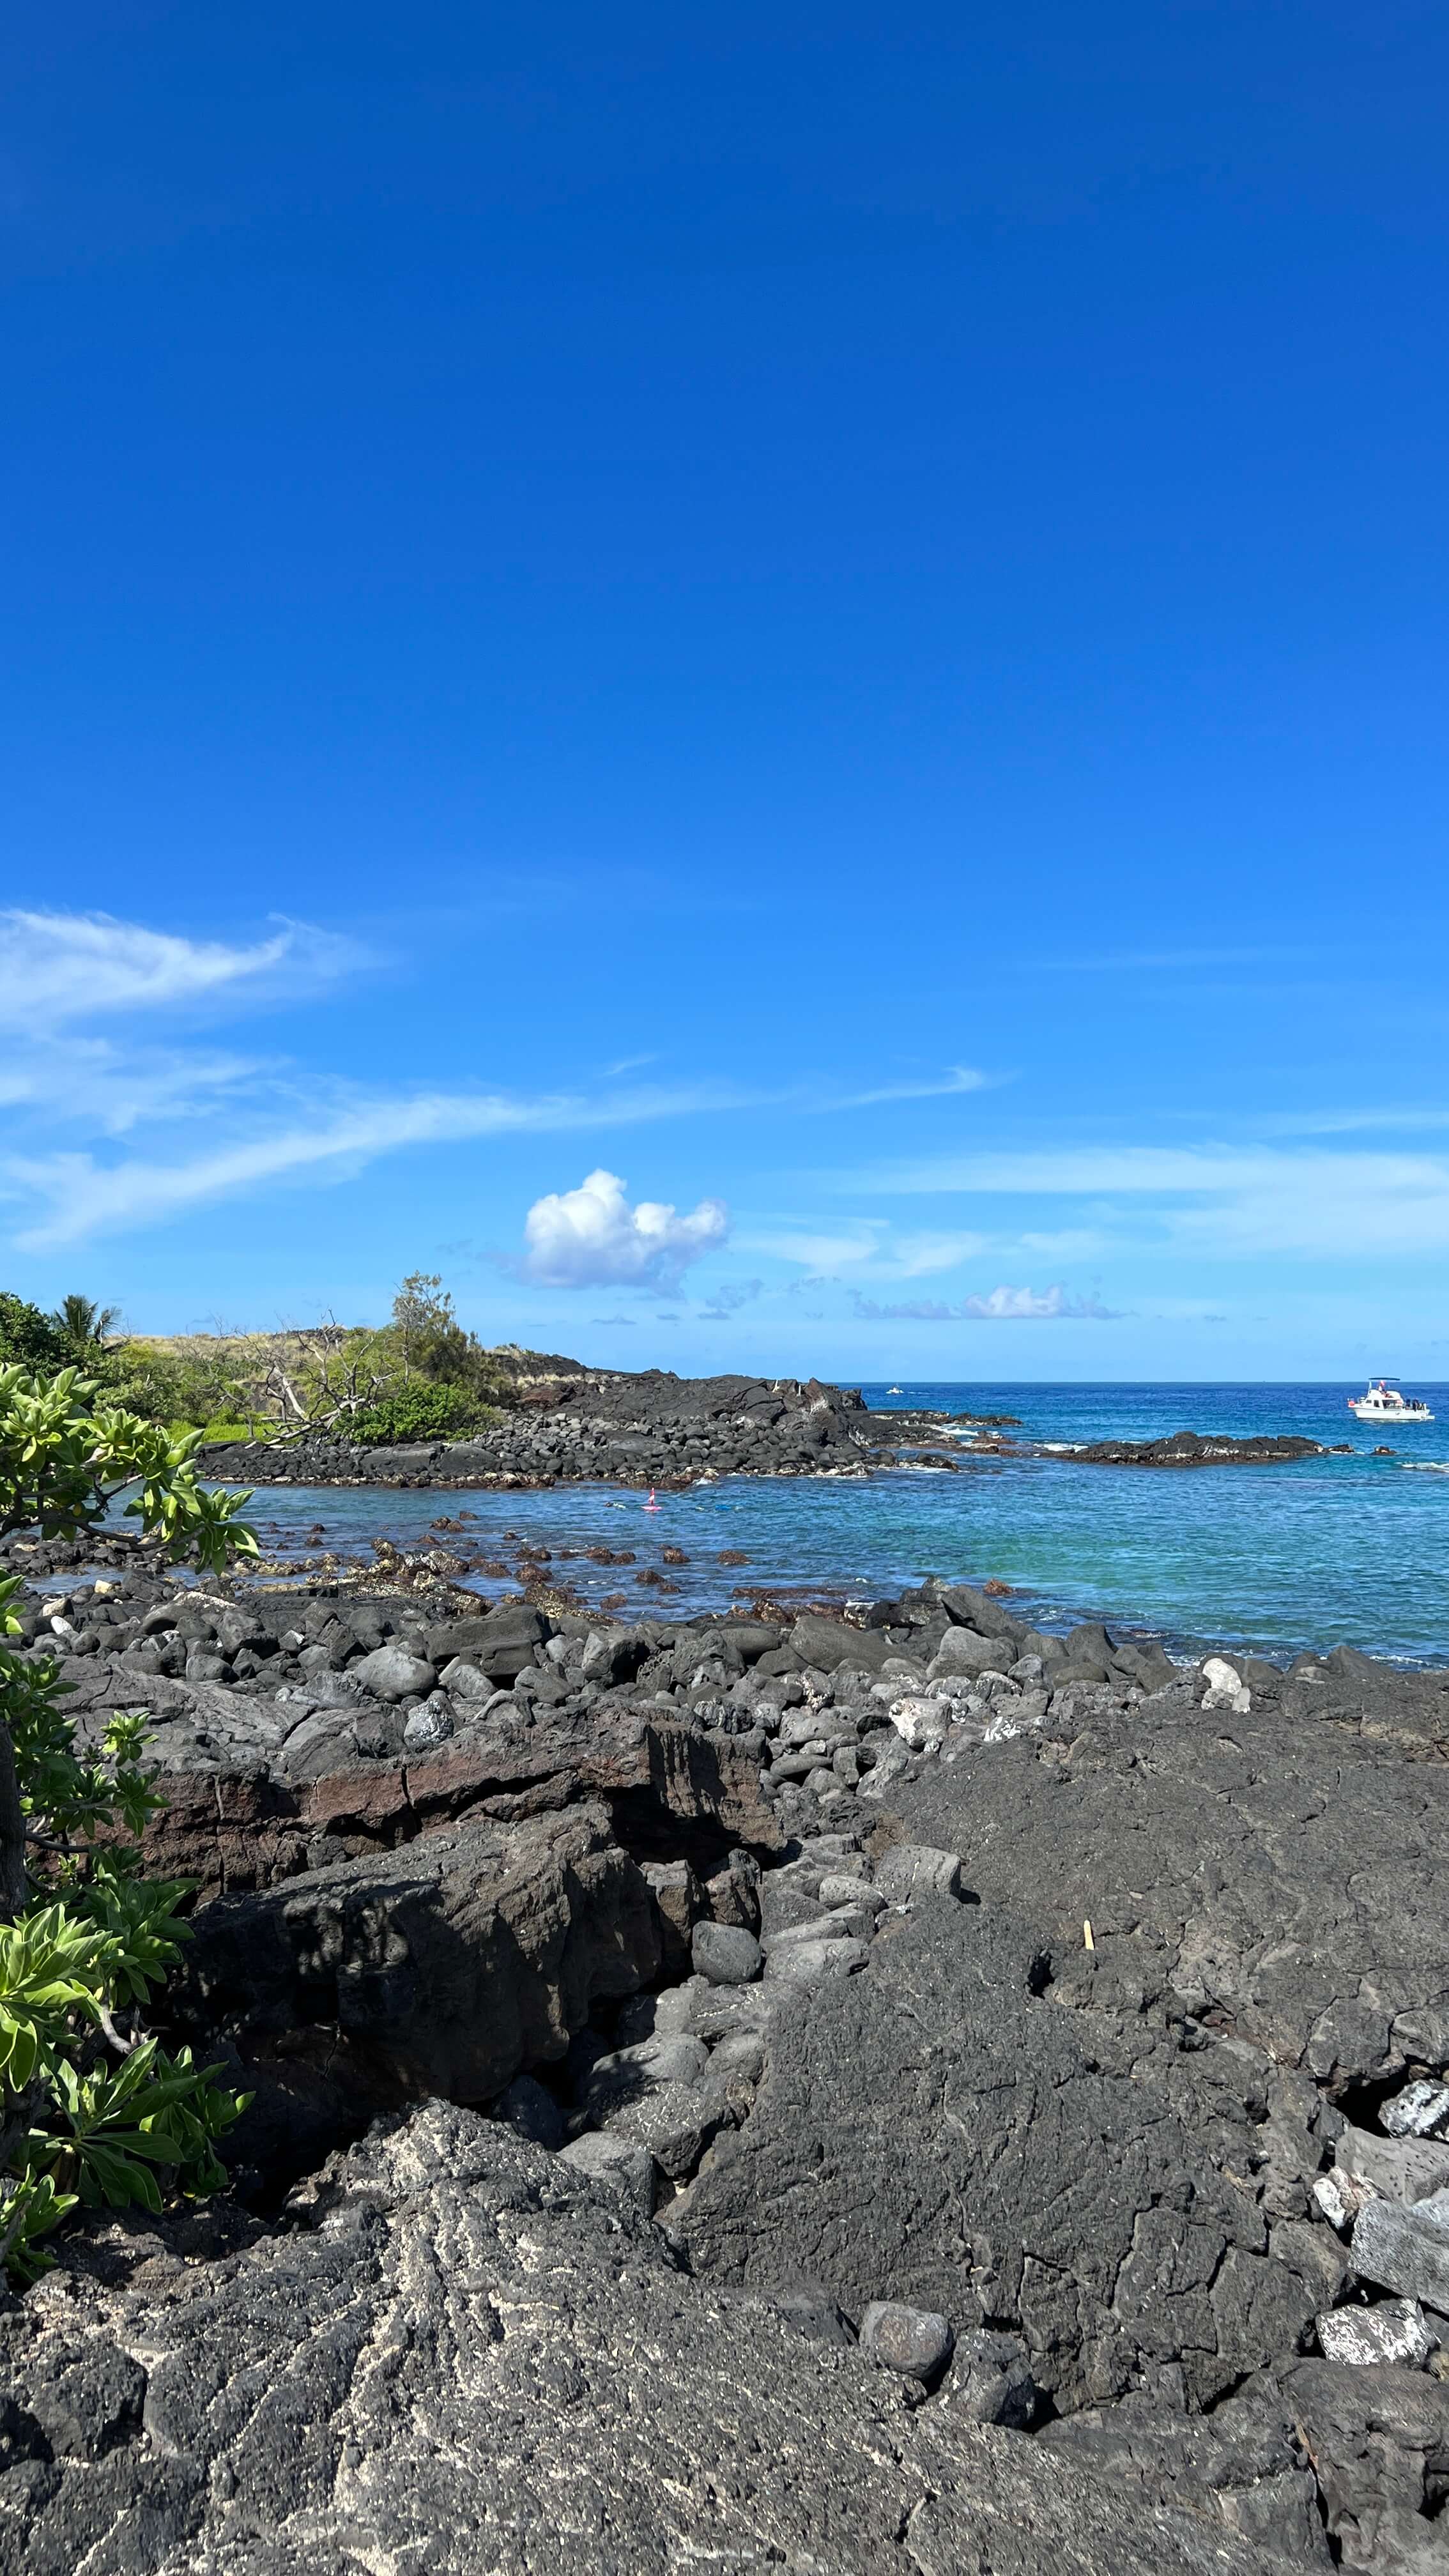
(1029, 1305)
(58, 967)
(590, 1236)
(998, 1306)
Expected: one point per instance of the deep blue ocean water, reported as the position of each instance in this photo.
(1327, 1550)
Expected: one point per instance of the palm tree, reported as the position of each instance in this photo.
(84, 1322)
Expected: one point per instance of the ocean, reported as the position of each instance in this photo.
(1317, 1553)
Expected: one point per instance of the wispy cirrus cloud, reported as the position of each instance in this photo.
(869, 1240)
(58, 968)
(957, 1078)
(75, 986)
(82, 1196)
(1229, 1201)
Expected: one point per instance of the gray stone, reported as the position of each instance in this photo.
(921, 1723)
(619, 2163)
(910, 1870)
(466, 1681)
(1394, 2332)
(1403, 2250)
(725, 1954)
(627, 2074)
(1338, 2197)
(1423, 2033)
(962, 1652)
(751, 1638)
(887, 1768)
(971, 1608)
(1420, 2111)
(391, 1673)
(1284, 1869)
(733, 1893)
(815, 1963)
(841, 1888)
(401, 1464)
(461, 1461)
(1402, 2169)
(722, 2012)
(914, 2341)
(991, 2379)
(501, 1642)
(611, 1654)
(814, 1926)
(813, 2312)
(826, 1643)
(736, 2062)
(428, 1726)
(674, 2121)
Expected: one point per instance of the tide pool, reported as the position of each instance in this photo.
(1317, 1553)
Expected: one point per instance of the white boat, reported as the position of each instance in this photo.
(1386, 1402)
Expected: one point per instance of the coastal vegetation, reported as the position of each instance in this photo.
(419, 1376)
(92, 2108)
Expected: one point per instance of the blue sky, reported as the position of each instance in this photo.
(769, 683)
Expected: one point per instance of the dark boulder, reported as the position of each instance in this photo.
(444, 1967)
(828, 1643)
(501, 1642)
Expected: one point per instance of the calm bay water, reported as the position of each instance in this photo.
(1328, 1550)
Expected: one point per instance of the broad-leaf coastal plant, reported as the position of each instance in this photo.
(92, 2109)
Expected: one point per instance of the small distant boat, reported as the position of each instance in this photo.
(1385, 1402)
(895, 1390)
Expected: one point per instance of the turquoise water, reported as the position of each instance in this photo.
(1327, 1550)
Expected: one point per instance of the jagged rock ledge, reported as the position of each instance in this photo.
(901, 2092)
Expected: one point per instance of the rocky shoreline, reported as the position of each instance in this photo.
(649, 1429)
(652, 1428)
(975, 2098)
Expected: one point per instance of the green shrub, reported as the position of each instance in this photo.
(89, 2111)
(29, 1339)
(164, 1386)
(417, 1410)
